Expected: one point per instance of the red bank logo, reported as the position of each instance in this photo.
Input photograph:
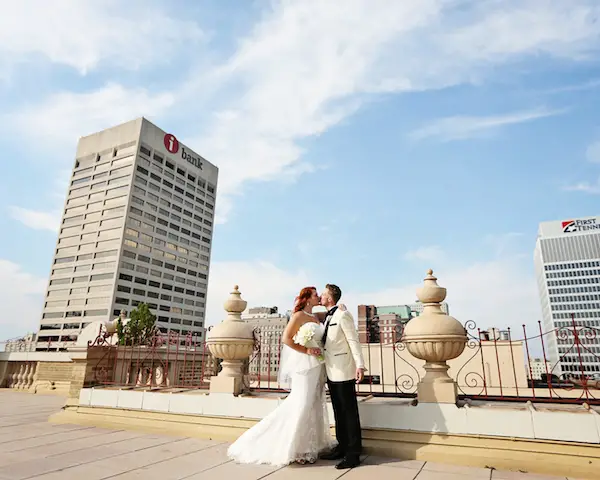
(569, 226)
(572, 226)
(171, 143)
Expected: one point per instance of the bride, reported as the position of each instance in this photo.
(298, 429)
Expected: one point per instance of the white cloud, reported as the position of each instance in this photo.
(503, 244)
(520, 27)
(65, 116)
(589, 85)
(585, 187)
(592, 153)
(261, 283)
(427, 253)
(460, 127)
(21, 296)
(38, 220)
(303, 69)
(309, 65)
(46, 219)
(84, 35)
(497, 293)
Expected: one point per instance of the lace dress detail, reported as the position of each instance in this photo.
(297, 430)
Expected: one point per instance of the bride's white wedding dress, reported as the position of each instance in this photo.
(298, 429)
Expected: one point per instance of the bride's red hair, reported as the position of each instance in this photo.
(303, 298)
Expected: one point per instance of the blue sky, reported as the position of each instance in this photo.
(356, 145)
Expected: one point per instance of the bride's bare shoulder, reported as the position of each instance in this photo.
(300, 317)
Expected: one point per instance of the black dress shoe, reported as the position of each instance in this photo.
(335, 454)
(348, 462)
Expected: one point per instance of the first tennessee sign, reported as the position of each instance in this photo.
(172, 146)
(572, 226)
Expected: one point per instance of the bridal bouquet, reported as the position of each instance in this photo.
(305, 337)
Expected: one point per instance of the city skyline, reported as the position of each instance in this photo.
(439, 137)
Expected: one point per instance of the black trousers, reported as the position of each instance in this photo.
(347, 420)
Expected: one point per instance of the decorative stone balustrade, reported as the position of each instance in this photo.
(21, 375)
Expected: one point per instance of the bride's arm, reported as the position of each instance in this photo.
(290, 330)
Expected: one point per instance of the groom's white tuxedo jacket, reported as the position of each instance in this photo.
(343, 353)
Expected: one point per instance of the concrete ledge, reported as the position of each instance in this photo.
(198, 426)
(535, 456)
(518, 420)
(61, 389)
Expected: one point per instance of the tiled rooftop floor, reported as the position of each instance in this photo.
(32, 448)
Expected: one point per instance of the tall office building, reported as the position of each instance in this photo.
(271, 324)
(136, 227)
(567, 265)
(382, 324)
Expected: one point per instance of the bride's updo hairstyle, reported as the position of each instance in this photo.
(303, 298)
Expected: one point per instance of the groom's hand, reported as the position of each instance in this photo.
(360, 375)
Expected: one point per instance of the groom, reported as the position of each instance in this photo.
(345, 368)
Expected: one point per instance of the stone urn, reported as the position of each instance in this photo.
(233, 342)
(111, 325)
(436, 338)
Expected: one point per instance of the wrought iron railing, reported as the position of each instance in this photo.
(494, 365)
(164, 361)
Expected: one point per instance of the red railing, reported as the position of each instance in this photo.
(164, 361)
(568, 370)
(495, 365)
(561, 365)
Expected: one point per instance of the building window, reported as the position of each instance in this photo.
(135, 210)
(102, 276)
(80, 180)
(145, 150)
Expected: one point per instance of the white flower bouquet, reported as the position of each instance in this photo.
(305, 337)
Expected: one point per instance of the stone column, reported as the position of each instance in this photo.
(79, 371)
(233, 342)
(436, 338)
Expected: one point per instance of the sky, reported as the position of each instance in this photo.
(359, 142)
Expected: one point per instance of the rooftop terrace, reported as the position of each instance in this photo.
(30, 447)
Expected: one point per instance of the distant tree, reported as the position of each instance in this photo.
(140, 329)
